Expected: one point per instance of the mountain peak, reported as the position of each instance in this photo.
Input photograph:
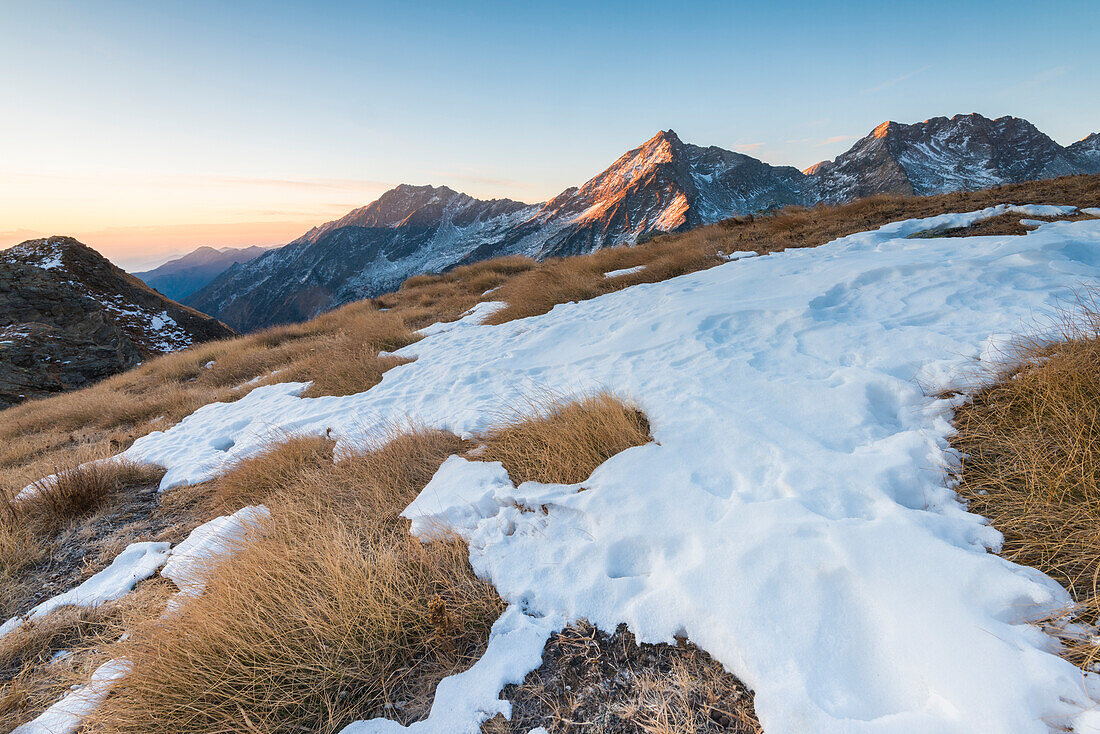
(879, 132)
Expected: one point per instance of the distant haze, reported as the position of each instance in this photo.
(149, 129)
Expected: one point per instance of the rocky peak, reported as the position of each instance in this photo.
(69, 317)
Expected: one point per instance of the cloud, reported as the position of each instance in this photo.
(835, 139)
(896, 80)
(748, 146)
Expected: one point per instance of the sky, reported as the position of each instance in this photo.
(148, 128)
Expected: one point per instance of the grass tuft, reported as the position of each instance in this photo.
(1031, 448)
(560, 440)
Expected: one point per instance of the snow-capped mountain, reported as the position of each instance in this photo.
(964, 152)
(662, 185)
(69, 317)
(1086, 153)
(183, 276)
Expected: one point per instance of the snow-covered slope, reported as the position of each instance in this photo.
(791, 517)
(963, 153)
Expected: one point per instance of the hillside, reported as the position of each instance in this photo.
(68, 317)
(182, 276)
(663, 185)
(611, 439)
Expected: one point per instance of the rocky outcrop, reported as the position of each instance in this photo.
(68, 317)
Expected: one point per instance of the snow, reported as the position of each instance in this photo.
(515, 648)
(66, 716)
(475, 315)
(1043, 210)
(190, 564)
(624, 271)
(791, 517)
(138, 562)
(1092, 211)
(740, 255)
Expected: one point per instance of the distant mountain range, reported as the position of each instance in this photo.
(68, 317)
(664, 185)
(181, 277)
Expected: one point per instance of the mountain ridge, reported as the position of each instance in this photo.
(182, 276)
(662, 185)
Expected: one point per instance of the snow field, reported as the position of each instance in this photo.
(792, 516)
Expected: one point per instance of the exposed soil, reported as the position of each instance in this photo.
(90, 545)
(592, 681)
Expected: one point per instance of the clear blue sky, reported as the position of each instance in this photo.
(151, 127)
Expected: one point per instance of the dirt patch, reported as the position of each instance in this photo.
(90, 545)
(599, 683)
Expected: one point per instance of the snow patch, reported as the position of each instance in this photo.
(624, 271)
(138, 562)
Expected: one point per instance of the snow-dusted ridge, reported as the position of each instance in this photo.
(789, 517)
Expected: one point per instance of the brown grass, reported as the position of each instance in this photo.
(563, 440)
(251, 481)
(1031, 443)
(28, 526)
(336, 613)
(31, 679)
(345, 613)
(593, 681)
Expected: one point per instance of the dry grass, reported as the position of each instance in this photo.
(591, 681)
(31, 678)
(562, 440)
(336, 613)
(1031, 443)
(251, 481)
(28, 526)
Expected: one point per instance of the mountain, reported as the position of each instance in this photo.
(961, 153)
(183, 276)
(663, 185)
(69, 317)
(1086, 153)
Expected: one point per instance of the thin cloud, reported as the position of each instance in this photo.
(748, 146)
(896, 80)
(835, 139)
(1036, 79)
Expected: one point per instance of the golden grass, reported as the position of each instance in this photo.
(336, 613)
(252, 480)
(27, 526)
(35, 679)
(1031, 443)
(563, 440)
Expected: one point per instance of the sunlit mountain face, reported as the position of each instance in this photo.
(663, 185)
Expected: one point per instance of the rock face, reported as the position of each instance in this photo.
(68, 317)
(961, 153)
(181, 277)
(663, 185)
